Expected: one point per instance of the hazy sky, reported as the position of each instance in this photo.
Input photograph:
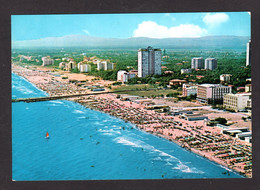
(154, 25)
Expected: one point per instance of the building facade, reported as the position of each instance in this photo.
(47, 61)
(208, 93)
(84, 68)
(225, 77)
(189, 89)
(176, 82)
(210, 64)
(248, 88)
(197, 63)
(184, 71)
(62, 65)
(149, 61)
(236, 102)
(124, 76)
(70, 65)
(105, 65)
(248, 53)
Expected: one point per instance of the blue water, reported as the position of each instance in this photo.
(90, 145)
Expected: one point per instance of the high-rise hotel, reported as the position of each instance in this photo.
(210, 63)
(149, 61)
(197, 63)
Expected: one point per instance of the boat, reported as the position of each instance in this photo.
(47, 136)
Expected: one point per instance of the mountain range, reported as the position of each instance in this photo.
(217, 42)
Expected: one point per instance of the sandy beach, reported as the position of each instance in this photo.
(195, 136)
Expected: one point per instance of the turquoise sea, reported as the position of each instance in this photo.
(89, 145)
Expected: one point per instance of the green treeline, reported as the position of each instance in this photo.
(229, 62)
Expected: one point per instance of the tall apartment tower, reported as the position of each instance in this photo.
(248, 53)
(197, 63)
(149, 61)
(210, 63)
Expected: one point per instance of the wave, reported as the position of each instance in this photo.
(24, 90)
(185, 169)
(78, 111)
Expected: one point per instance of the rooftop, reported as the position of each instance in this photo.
(213, 85)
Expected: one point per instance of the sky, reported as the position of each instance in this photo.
(153, 25)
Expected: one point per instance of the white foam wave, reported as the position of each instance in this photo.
(122, 140)
(111, 131)
(161, 155)
(78, 111)
(109, 134)
(185, 169)
(58, 102)
(24, 90)
(157, 158)
(82, 117)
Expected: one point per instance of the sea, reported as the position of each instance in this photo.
(85, 144)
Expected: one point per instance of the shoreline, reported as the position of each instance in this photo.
(164, 126)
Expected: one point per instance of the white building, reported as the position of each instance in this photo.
(225, 77)
(183, 71)
(70, 65)
(124, 76)
(149, 61)
(210, 63)
(84, 68)
(47, 61)
(248, 88)
(248, 53)
(197, 63)
(189, 89)
(212, 92)
(62, 65)
(236, 102)
(105, 65)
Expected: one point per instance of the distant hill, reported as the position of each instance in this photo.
(216, 42)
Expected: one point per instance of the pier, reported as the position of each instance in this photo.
(48, 98)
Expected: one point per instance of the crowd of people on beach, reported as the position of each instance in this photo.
(196, 137)
(192, 135)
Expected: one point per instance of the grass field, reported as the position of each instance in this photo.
(143, 92)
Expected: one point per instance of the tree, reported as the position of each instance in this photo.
(221, 120)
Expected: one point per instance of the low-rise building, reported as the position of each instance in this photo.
(145, 102)
(199, 76)
(183, 71)
(225, 78)
(62, 65)
(236, 102)
(189, 89)
(161, 107)
(248, 88)
(133, 72)
(193, 117)
(47, 61)
(176, 82)
(124, 76)
(70, 65)
(168, 72)
(129, 97)
(207, 93)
